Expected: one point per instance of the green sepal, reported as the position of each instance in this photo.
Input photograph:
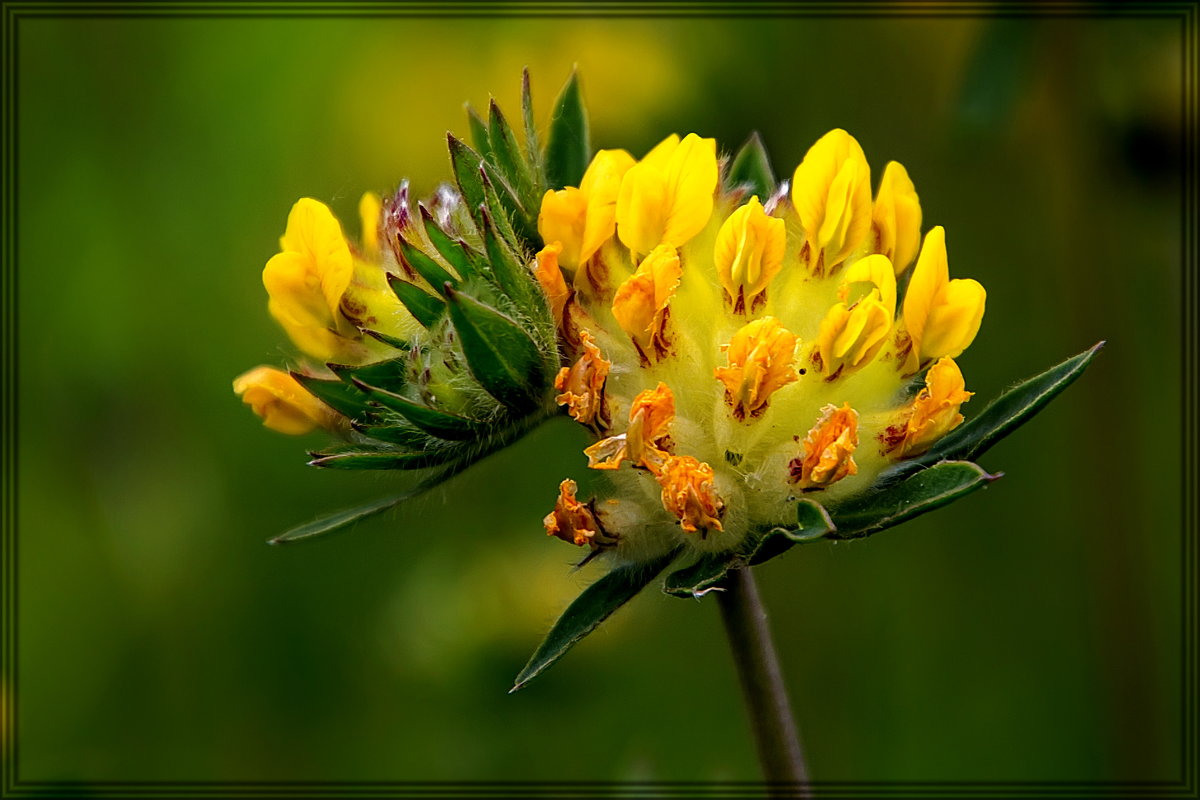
(479, 133)
(425, 308)
(466, 165)
(466, 262)
(405, 435)
(390, 374)
(1002, 416)
(507, 210)
(390, 341)
(341, 397)
(751, 169)
(877, 509)
(568, 148)
(587, 611)
(701, 577)
(385, 459)
(501, 355)
(425, 266)
(508, 271)
(506, 154)
(438, 423)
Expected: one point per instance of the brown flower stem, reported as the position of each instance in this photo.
(763, 688)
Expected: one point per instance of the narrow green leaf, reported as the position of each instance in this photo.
(424, 307)
(595, 605)
(466, 164)
(510, 274)
(1002, 416)
(568, 148)
(390, 341)
(751, 168)
(385, 459)
(404, 435)
(433, 272)
(506, 154)
(439, 423)
(341, 397)
(465, 261)
(479, 133)
(518, 227)
(338, 520)
(391, 374)
(875, 510)
(501, 355)
(533, 150)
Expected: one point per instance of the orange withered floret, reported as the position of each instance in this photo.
(827, 452)
(687, 492)
(581, 385)
(575, 522)
(761, 361)
(646, 441)
(932, 413)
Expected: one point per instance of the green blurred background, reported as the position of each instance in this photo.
(1028, 633)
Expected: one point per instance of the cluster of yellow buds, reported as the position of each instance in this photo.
(734, 346)
(760, 363)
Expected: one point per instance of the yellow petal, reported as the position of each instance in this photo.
(667, 197)
(831, 191)
(600, 185)
(954, 319)
(849, 338)
(642, 208)
(896, 217)
(932, 413)
(640, 303)
(692, 180)
(749, 254)
(581, 385)
(550, 278)
(827, 453)
(562, 219)
(761, 361)
(871, 272)
(369, 210)
(282, 403)
(688, 493)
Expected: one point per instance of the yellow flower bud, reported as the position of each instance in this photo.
(687, 492)
(582, 384)
(667, 197)
(831, 191)
(281, 401)
(306, 280)
(748, 254)
(646, 442)
(827, 453)
(896, 218)
(932, 413)
(941, 316)
(850, 336)
(576, 522)
(640, 304)
(761, 361)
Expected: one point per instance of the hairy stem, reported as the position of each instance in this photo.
(766, 697)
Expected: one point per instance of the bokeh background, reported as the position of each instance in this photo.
(1031, 632)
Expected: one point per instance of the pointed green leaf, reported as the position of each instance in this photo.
(424, 265)
(751, 168)
(506, 154)
(465, 261)
(391, 374)
(510, 274)
(501, 355)
(568, 148)
(467, 164)
(404, 435)
(390, 341)
(341, 397)
(424, 307)
(595, 605)
(510, 216)
(386, 459)
(1001, 417)
(877, 509)
(533, 150)
(338, 520)
(479, 133)
(439, 423)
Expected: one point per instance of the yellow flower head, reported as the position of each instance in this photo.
(283, 404)
(667, 197)
(932, 413)
(581, 385)
(687, 492)
(640, 304)
(941, 315)
(749, 254)
(831, 190)
(575, 522)
(761, 361)
(896, 218)
(827, 453)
